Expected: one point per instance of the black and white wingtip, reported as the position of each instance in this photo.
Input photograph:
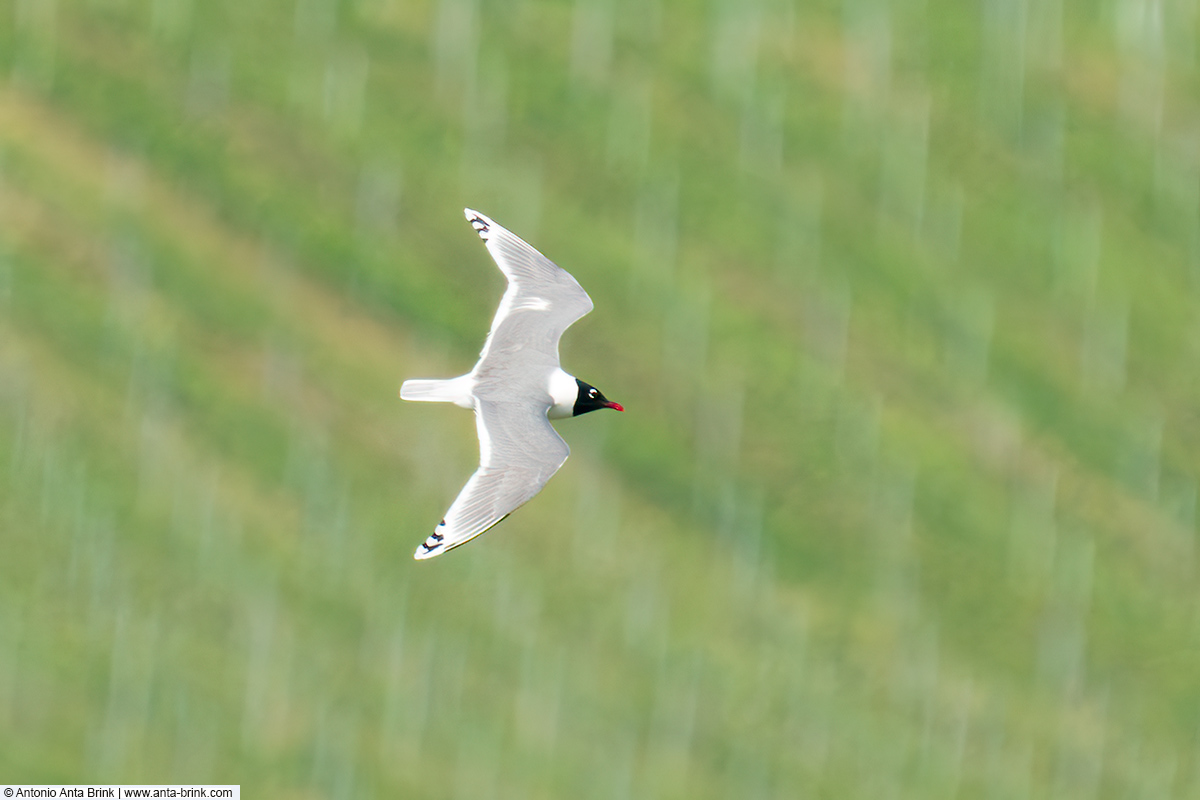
(432, 546)
(481, 224)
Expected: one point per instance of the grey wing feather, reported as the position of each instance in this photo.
(542, 299)
(519, 452)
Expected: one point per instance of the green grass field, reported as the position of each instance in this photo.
(903, 301)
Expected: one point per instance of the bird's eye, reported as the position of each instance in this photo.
(592, 393)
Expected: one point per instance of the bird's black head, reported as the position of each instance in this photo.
(590, 399)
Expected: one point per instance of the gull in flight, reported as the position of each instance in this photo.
(515, 389)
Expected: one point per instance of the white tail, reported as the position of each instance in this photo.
(453, 390)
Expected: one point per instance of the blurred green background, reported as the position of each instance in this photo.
(902, 299)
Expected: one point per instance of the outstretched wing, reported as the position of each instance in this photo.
(518, 452)
(542, 299)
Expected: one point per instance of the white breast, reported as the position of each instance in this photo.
(563, 392)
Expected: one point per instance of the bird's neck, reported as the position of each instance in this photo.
(563, 393)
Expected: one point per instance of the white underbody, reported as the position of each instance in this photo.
(563, 391)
